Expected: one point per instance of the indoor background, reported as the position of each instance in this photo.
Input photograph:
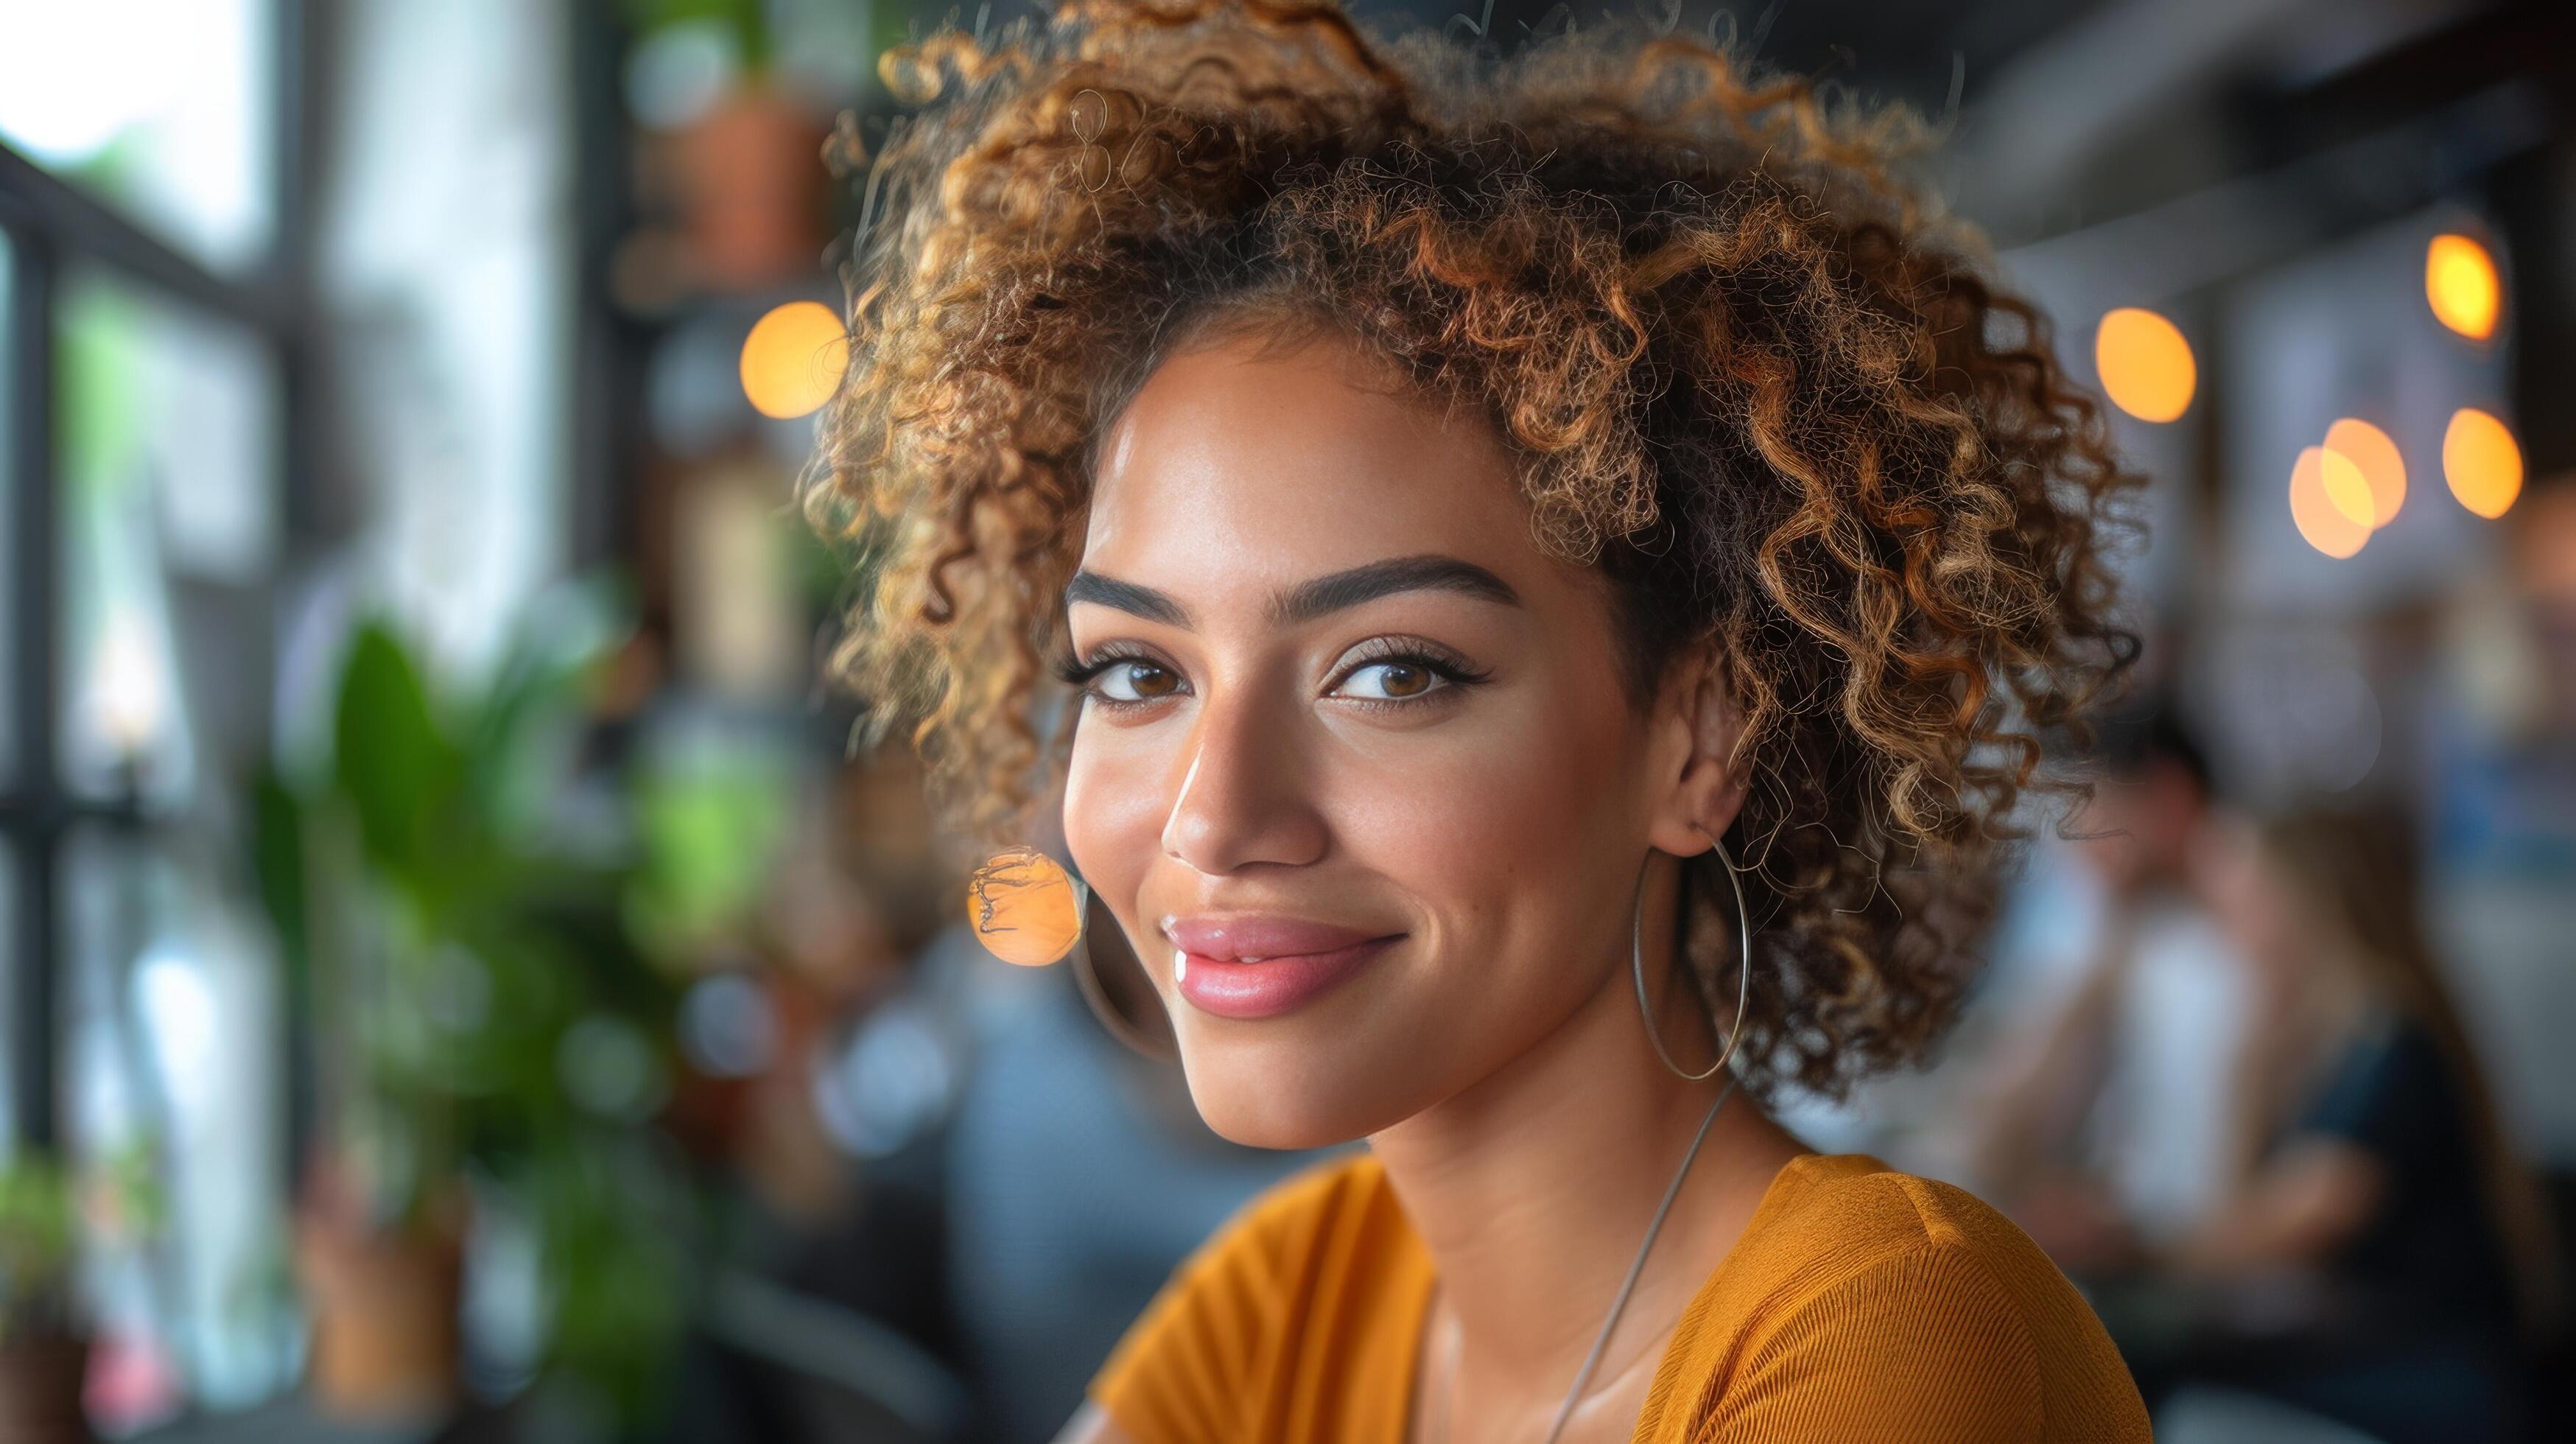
(460, 981)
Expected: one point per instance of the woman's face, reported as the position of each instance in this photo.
(1352, 747)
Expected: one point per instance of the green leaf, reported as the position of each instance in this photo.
(518, 743)
(388, 755)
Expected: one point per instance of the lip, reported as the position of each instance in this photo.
(1259, 966)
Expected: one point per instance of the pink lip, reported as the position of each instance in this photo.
(1233, 937)
(1292, 960)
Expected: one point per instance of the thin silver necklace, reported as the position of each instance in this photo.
(1627, 1286)
(1637, 1267)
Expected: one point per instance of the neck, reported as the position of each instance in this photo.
(1533, 1189)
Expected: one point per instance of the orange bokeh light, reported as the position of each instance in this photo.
(2369, 449)
(2145, 364)
(2460, 281)
(2314, 483)
(793, 358)
(1024, 907)
(2482, 462)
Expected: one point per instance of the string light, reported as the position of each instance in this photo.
(793, 359)
(2482, 462)
(2460, 282)
(2324, 524)
(2382, 468)
(2145, 364)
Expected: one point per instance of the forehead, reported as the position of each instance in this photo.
(1242, 467)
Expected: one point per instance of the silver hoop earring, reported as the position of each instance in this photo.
(1743, 968)
(1095, 995)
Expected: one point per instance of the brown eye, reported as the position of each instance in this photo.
(1393, 681)
(1136, 680)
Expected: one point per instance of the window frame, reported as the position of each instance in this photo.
(52, 229)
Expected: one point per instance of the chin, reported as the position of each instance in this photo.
(1288, 1089)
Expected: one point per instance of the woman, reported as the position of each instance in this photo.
(1470, 500)
(2401, 1250)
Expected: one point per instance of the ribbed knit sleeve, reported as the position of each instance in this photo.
(1925, 1345)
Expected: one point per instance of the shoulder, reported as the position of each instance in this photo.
(1851, 1236)
(1231, 1317)
(1864, 1298)
(1833, 1215)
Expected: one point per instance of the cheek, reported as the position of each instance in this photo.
(1114, 810)
(1469, 815)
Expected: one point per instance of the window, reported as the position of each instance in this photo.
(148, 345)
(163, 108)
(171, 1023)
(167, 469)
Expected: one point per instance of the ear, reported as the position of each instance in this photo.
(1698, 725)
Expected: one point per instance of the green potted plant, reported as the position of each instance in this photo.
(43, 1358)
(745, 159)
(47, 1212)
(491, 1031)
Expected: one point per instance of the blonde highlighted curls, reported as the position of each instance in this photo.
(1744, 371)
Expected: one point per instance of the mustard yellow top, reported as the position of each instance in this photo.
(1860, 1303)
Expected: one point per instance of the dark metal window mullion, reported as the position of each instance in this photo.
(304, 35)
(38, 813)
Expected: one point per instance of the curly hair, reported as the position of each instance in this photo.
(1743, 369)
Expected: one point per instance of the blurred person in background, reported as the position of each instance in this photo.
(2500, 804)
(2378, 1253)
(2105, 1116)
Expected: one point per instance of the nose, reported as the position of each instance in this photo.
(1242, 797)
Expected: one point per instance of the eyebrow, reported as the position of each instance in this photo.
(1306, 601)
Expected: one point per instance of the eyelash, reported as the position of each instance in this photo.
(1081, 672)
(1449, 667)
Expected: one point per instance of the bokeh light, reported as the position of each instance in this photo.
(2145, 363)
(2346, 489)
(2482, 462)
(2325, 525)
(2460, 281)
(2371, 451)
(128, 694)
(727, 1027)
(1024, 907)
(793, 358)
